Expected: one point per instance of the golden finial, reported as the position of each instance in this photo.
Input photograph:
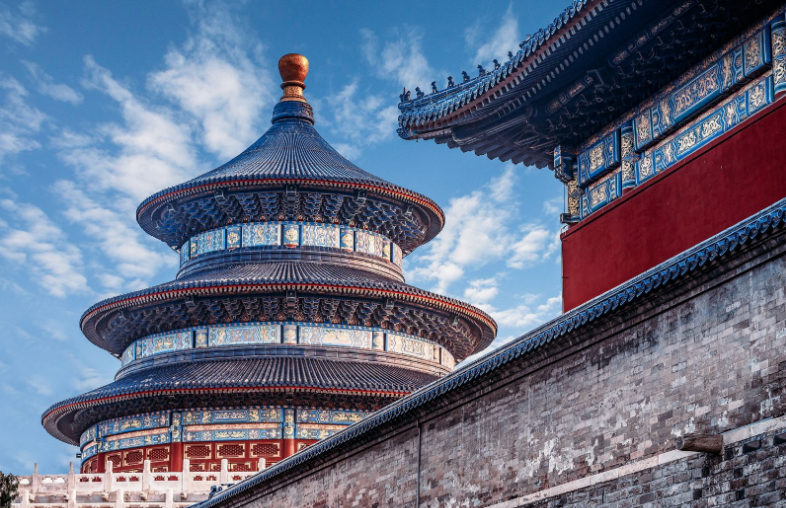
(293, 69)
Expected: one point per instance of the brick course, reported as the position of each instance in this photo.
(704, 355)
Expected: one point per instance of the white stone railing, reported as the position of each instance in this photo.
(146, 489)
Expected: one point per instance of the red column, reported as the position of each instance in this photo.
(176, 456)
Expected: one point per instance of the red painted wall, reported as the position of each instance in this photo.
(169, 458)
(738, 175)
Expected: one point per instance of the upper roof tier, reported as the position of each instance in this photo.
(594, 62)
(291, 173)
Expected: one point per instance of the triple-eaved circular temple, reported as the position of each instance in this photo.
(289, 318)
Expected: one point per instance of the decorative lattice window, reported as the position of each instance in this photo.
(240, 467)
(198, 452)
(116, 460)
(300, 446)
(134, 457)
(265, 450)
(231, 450)
(197, 467)
(158, 454)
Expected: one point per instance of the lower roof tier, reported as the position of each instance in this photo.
(271, 380)
(288, 291)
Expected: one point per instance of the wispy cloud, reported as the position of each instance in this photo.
(36, 242)
(134, 262)
(46, 85)
(18, 25)
(19, 122)
(217, 79)
(400, 58)
(148, 151)
(505, 38)
(358, 122)
(480, 229)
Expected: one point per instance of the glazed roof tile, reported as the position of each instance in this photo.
(291, 151)
(282, 276)
(255, 374)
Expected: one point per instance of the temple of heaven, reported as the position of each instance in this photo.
(288, 320)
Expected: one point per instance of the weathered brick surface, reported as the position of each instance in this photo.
(715, 361)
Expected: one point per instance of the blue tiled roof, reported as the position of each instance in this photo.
(291, 150)
(341, 279)
(250, 374)
(418, 111)
(708, 252)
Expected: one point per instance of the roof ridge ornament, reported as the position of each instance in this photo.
(293, 68)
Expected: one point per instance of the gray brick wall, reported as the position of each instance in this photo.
(708, 356)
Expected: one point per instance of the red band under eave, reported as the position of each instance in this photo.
(124, 396)
(453, 306)
(328, 183)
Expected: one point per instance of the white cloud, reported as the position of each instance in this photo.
(149, 151)
(217, 82)
(535, 244)
(359, 123)
(43, 248)
(116, 237)
(479, 230)
(18, 26)
(481, 291)
(554, 206)
(526, 315)
(47, 86)
(19, 122)
(505, 38)
(401, 58)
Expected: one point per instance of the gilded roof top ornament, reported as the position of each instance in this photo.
(293, 69)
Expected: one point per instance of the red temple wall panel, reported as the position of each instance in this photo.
(729, 180)
(242, 456)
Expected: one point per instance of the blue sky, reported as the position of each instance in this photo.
(104, 103)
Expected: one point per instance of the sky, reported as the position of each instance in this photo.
(104, 103)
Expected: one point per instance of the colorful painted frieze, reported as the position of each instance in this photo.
(122, 441)
(90, 451)
(244, 415)
(778, 45)
(88, 435)
(317, 430)
(232, 432)
(134, 423)
(247, 334)
(234, 237)
(700, 87)
(335, 336)
(200, 338)
(329, 416)
(347, 239)
(129, 355)
(321, 235)
(409, 346)
(398, 255)
(709, 126)
(210, 241)
(601, 194)
(261, 234)
(163, 343)
(599, 158)
(185, 252)
(291, 235)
